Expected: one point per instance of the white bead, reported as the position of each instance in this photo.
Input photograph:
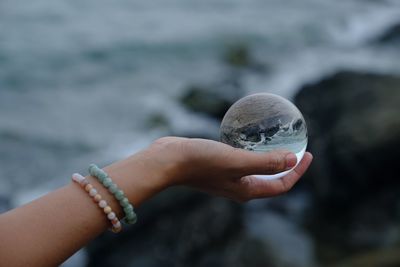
(117, 224)
(111, 215)
(77, 177)
(92, 192)
(102, 204)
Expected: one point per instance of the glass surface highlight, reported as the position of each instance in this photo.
(265, 122)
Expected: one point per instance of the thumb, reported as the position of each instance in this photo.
(247, 162)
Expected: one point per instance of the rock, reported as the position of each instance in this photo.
(176, 228)
(248, 251)
(158, 120)
(239, 56)
(391, 35)
(381, 258)
(354, 129)
(214, 98)
(211, 101)
(185, 228)
(354, 124)
(288, 244)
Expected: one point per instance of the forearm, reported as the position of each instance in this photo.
(50, 229)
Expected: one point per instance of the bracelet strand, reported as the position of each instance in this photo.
(98, 199)
(107, 182)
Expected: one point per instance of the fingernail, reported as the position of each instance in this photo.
(291, 160)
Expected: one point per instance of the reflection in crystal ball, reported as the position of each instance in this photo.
(265, 122)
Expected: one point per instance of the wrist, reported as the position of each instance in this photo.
(139, 177)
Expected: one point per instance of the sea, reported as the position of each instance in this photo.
(79, 79)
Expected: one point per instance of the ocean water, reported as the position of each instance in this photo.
(79, 79)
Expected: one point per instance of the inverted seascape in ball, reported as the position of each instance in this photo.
(263, 123)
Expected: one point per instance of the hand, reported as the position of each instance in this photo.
(222, 170)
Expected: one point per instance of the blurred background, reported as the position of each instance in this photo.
(94, 81)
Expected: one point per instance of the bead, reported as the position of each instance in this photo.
(131, 221)
(130, 215)
(116, 229)
(77, 178)
(119, 195)
(111, 215)
(113, 188)
(84, 183)
(92, 192)
(88, 187)
(97, 197)
(96, 172)
(128, 209)
(102, 203)
(107, 182)
(91, 168)
(107, 210)
(117, 224)
(102, 176)
(124, 202)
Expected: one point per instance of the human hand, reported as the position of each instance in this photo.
(207, 165)
(222, 170)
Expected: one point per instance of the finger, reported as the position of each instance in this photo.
(260, 188)
(245, 162)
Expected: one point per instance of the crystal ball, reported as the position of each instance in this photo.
(265, 122)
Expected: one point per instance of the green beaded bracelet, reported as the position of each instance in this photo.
(106, 181)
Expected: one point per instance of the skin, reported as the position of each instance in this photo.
(48, 230)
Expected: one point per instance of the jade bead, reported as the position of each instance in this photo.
(131, 221)
(113, 188)
(97, 172)
(102, 176)
(130, 218)
(124, 202)
(119, 194)
(129, 214)
(91, 168)
(128, 208)
(107, 182)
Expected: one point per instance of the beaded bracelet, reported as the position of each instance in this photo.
(88, 187)
(102, 176)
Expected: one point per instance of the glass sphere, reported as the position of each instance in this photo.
(265, 122)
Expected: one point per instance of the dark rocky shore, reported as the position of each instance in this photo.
(354, 134)
(344, 212)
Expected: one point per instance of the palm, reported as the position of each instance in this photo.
(222, 170)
